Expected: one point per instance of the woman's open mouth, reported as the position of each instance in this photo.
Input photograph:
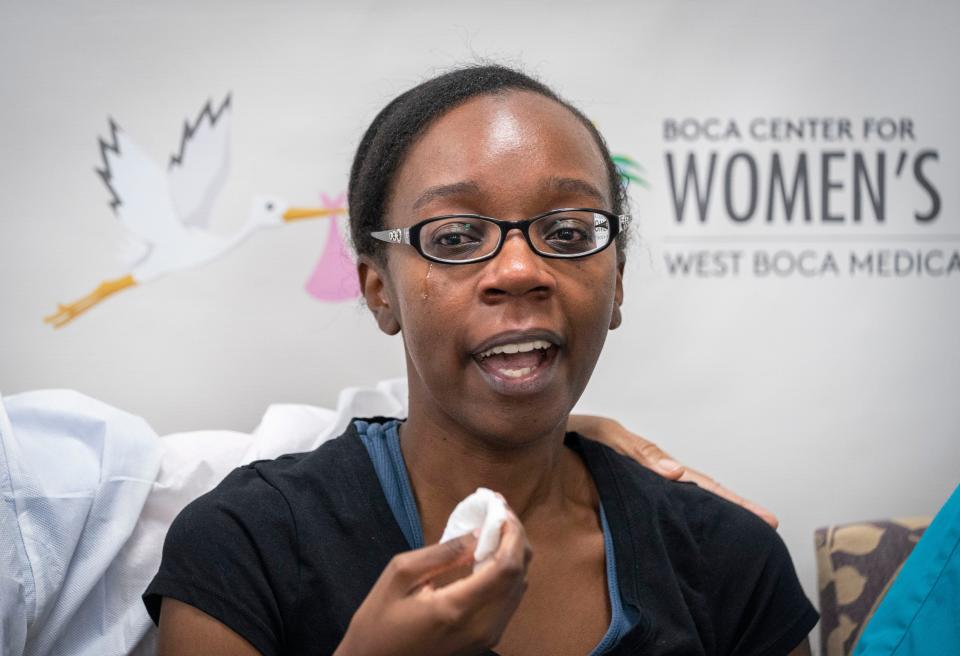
(519, 366)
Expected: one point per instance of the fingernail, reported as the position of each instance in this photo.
(669, 465)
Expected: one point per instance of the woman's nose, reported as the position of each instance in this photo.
(516, 271)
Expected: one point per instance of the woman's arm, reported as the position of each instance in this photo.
(185, 630)
(617, 437)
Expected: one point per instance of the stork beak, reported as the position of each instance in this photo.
(297, 213)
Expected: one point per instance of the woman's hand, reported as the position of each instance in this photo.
(405, 613)
(617, 437)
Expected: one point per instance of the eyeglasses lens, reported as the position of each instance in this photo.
(459, 238)
(570, 233)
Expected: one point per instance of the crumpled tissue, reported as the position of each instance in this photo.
(485, 510)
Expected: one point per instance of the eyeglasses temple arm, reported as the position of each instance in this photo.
(395, 236)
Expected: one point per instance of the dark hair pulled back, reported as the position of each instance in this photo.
(401, 122)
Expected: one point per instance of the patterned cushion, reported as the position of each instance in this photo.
(855, 565)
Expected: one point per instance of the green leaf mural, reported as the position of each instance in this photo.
(630, 170)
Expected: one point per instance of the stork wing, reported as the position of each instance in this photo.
(197, 173)
(138, 186)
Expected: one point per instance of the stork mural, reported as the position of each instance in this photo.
(167, 214)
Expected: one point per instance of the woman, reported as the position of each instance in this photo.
(503, 321)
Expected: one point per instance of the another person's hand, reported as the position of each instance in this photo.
(404, 613)
(617, 437)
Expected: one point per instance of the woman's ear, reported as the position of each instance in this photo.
(374, 289)
(616, 318)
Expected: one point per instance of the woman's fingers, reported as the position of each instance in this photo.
(617, 437)
(403, 613)
(471, 613)
(653, 457)
(505, 571)
(707, 483)
(410, 570)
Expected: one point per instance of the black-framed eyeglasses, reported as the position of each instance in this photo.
(465, 238)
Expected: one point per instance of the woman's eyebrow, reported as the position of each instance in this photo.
(569, 185)
(574, 185)
(444, 190)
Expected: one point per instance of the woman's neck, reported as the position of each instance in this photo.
(539, 478)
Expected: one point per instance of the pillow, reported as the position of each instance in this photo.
(88, 491)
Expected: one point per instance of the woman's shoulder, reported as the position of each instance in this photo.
(697, 513)
(268, 521)
(733, 569)
(325, 477)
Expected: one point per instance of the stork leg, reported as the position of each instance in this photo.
(67, 312)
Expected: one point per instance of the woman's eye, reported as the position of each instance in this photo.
(455, 235)
(567, 233)
(454, 239)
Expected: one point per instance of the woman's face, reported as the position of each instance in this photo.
(511, 157)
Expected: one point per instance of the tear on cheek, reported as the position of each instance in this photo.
(425, 288)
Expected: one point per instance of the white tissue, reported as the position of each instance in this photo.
(484, 510)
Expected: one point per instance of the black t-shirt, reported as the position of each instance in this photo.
(284, 551)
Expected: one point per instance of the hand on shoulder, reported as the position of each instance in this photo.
(616, 436)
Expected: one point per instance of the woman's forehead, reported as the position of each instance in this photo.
(507, 142)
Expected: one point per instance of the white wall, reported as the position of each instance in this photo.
(826, 398)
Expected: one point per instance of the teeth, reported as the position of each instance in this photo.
(519, 347)
(515, 373)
